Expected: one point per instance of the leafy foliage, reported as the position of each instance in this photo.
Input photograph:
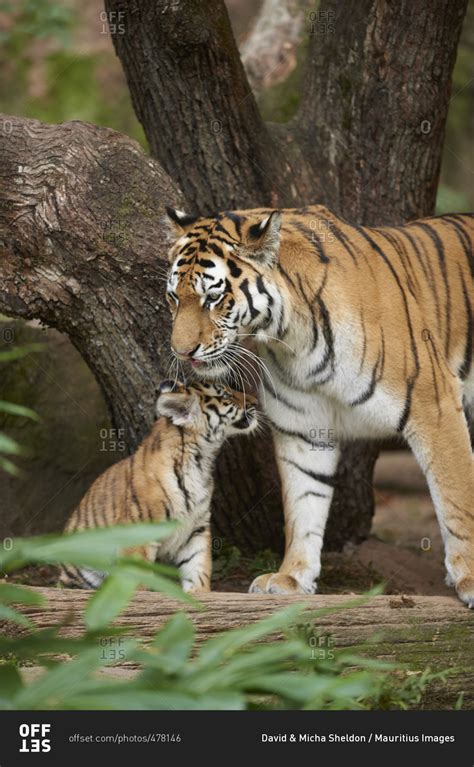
(36, 18)
(8, 446)
(243, 668)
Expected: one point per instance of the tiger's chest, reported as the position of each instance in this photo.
(329, 408)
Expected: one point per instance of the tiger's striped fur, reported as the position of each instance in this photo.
(362, 333)
(169, 477)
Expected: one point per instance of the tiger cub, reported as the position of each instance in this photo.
(169, 477)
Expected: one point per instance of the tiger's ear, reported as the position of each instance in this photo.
(182, 408)
(180, 221)
(261, 241)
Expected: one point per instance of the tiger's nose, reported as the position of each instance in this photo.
(185, 353)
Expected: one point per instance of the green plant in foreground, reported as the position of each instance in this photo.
(234, 670)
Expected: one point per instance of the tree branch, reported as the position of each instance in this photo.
(80, 246)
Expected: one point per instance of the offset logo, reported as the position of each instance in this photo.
(35, 738)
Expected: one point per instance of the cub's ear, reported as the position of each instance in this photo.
(180, 221)
(261, 241)
(182, 408)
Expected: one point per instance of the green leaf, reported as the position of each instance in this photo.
(216, 649)
(171, 647)
(40, 645)
(10, 684)
(110, 599)
(13, 409)
(130, 699)
(10, 593)
(53, 686)
(19, 351)
(9, 614)
(96, 548)
(154, 581)
(10, 467)
(8, 445)
(241, 668)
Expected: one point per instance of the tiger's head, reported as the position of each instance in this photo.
(215, 412)
(220, 287)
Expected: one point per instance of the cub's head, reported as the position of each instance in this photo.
(212, 411)
(220, 287)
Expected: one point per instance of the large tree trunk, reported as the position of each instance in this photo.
(80, 207)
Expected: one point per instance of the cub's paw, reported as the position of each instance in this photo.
(277, 583)
(196, 590)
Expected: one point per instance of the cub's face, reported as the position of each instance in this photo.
(219, 285)
(214, 411)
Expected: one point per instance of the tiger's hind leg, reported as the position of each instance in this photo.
(80, 577)
(439, 437)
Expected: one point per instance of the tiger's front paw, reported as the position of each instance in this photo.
(460, 574)
(278, 583)
(465, 590)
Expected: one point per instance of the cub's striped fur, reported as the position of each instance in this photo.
(169, 477)
(362, 332)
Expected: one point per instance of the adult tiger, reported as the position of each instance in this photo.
(365, 333)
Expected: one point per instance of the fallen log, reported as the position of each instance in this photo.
(416, 631)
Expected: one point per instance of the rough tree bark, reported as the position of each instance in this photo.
(80, 207)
